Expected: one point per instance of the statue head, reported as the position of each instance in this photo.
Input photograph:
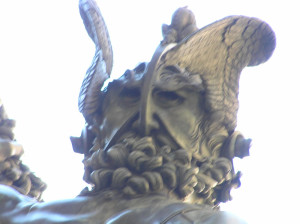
(157, 100)
(169, 125)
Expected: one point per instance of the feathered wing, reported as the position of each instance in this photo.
(218, 53)
(101, 66)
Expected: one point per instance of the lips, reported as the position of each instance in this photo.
(129, 130)
(160, 139)
(163, 140)
(122, 132)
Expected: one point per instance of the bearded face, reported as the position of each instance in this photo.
(168, 109)
(170, 125)
(154, 135)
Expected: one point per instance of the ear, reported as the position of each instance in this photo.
(219, 52)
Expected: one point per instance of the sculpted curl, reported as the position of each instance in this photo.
(138, 166)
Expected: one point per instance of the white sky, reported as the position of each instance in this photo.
(45, 52)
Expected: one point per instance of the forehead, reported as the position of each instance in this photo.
(167, 78)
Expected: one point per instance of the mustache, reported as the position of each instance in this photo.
(160, 133)
(121, 131)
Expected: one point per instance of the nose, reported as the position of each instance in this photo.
(147, 121)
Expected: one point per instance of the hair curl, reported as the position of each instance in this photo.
(137, 166)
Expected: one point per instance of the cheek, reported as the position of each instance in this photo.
(184, 118)
(114, 117)
(182, 122)
(115, 111)
(182, 126)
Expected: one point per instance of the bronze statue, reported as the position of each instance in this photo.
(12, 171)
(159, 141)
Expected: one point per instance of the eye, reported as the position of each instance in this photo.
(130, 95)
(167, 98)
(174, 69)
(170, 70)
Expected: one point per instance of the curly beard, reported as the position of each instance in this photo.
(137, 166)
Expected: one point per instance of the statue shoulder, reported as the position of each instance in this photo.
(10, 198)
(171, 213)
(13, 203)
(15, 207)
(205, 217)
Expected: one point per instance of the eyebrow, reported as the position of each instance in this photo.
(168, 86)
(178, 79)
(174, 68)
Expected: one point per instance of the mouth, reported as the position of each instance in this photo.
(161, 138)
(164, 137)
(124, 131)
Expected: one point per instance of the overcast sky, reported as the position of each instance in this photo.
(45, 52)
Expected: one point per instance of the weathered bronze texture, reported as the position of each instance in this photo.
(159, 141)
(12, 171)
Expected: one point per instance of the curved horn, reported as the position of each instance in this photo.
(101, 66)
(218, 53)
